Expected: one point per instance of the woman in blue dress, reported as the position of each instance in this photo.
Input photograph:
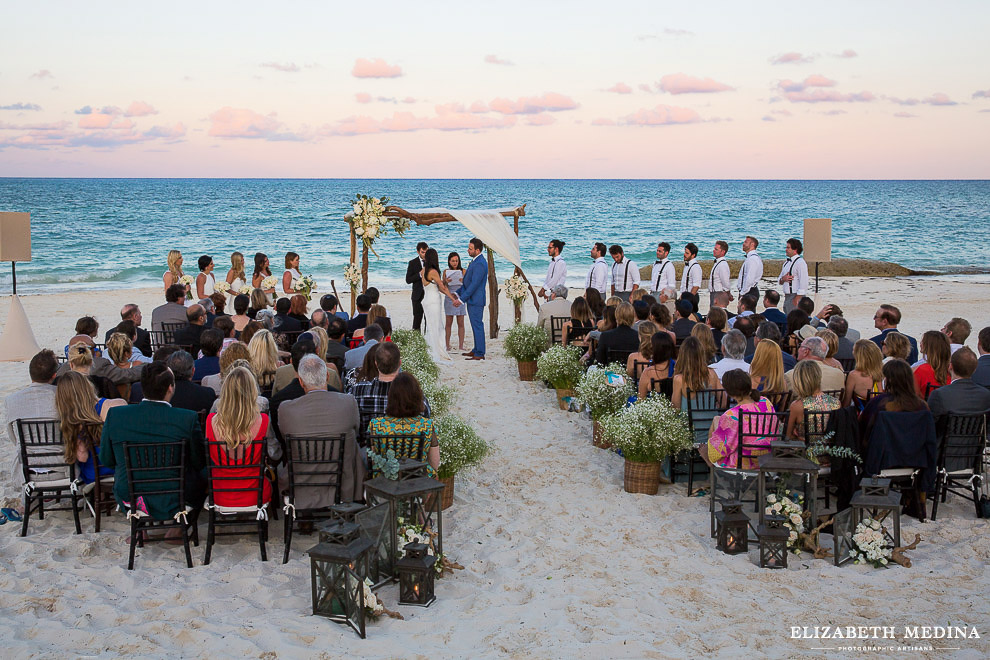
(81, 417)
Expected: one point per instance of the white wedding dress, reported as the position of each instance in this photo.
(434, 317)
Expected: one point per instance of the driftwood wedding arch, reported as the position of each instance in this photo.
(426, 219)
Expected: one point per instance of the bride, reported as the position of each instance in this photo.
(434, 290)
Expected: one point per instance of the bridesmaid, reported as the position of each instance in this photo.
(262, 269)
(454, 277)
(206, 282)
(174, 272)
(291, 272)
(235, 276)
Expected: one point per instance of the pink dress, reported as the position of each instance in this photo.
(723, 445)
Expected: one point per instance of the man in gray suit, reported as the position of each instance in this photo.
(104, 367)
(36, 401)
(556, 305)
(962, 396)
(174, 309)
(322, 413)
(982, 374)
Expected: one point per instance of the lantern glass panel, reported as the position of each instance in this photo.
(338, 593)
(842, 533)
(773, 543)
(374, 524)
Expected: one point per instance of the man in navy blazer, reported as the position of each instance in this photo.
(472, 294)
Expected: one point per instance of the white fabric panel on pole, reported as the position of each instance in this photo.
(490, 226)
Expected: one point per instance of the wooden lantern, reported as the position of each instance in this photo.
(788, 464)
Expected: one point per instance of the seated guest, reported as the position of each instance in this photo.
(866, 376)
(683, 323)
(595, 303)
(807, 305)
(376, 315)
(360, 319)
(662, 364)
(336, 349)
(644, 355)
(581, 322)
(957, 330)
(830, 311)
(188, 394)
(243, 428)
(322, 413)
(558, 305)
(290, 388)
(266, 317)
(322, 341)
(81, 417)
(703, 333)
(354, 357)
(225, 326)
(717, 320)
(831, 347)
(660, 315)
(284, 322)
(88, 326)
(768, 331)
(770, 311)
(174, 309)
(189, 334)
(623, 338)
(733, 352)
(319, 319)
(210, 343)
(372, 396)
(264, 359)
(404, 416)
(120, 351)
(694, 306)
(141, 338)
(209, 308)
(297, 310)
(962, 396)
(766, 371)
(286, 375)
(81, 361)
(895, 347)
(808, 395)
(899, 395)
(796, 319)
(162, 354)
(373, 294)
(747, 307)
(240, 317)
(814, 348)
(366, 372)
(230, 354)
(258, 302)
(691, 373)
(219, 301)
(886, 320)
(131, 331)
(247, 334)
(840, 327)
(385, 323)
(329, 304)
(982, 374)
(934, 371)
(641, 309)
(37, 400)
(721, 301)
(154, 420)
(747, 326)
(722, 448)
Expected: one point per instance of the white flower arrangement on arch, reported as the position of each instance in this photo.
(516, 290)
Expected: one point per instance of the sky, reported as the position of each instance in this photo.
(536, 89)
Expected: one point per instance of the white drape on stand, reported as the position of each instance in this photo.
(488, 225)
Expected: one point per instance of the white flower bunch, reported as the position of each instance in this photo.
(305, 285)
(372, 606)
(560, 366)
(247, 289)
(369, 221)
(269, 282)
(516, 289)
(602, 398)
(222, 287)
(649, 430)
(870, 545)
(793, 513)
(412, 533)
(352, 275)
(186, 280)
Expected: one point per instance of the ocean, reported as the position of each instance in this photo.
(116, 233)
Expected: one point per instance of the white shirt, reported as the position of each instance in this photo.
(663, 276)
(597, 276)
(751, 272)
(728, 364)
(625, 274)
(797, 267)
(720, 279)
(732, 322)
(556, 274)
(691, 277)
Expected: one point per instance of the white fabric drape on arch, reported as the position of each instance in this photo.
(488, 225)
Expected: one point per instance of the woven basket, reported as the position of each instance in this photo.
(561, 395)
(447, 500)
(527, 370)
(598, 439)
(642, 477)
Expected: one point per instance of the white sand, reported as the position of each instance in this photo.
(560, 562)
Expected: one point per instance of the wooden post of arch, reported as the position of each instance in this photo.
(353, 257)
(492, 296)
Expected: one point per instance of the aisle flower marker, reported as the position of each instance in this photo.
(524, 343)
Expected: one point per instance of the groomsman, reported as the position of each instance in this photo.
(557, 271)
(414, 276)
(752, 270)
(719, 280)
(794, 275)
(625, 274)
(663, 279)
(691, 277)
(598, 273)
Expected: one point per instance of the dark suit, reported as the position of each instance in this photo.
(190, 396)
(845, 351)
(107, 369)
(622, 338)
(982, 374)
(155, 421)
(142, 342)
(285, 323)
(682, 330)
(335, 354)
(189, 336)
(359, 321)
(167, 313)
(960, 397)
(413, 277)
(774, 315)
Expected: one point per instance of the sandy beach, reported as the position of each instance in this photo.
(559, 561)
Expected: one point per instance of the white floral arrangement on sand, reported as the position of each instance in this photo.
(649, 430)
(600, 396)
(222, 287)
(793, 513)
(516, 290)
(373, 607)
(870, 546)
(247, 289)
(352, 275)
(409, 532)
(305, 285)
(560, 366)
(186, 280)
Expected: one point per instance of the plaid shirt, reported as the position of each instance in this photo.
(372, 397)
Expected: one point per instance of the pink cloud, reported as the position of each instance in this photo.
(288, 67)
(620, 88)
(645, 88)
(828, 96)
(100, 120)
(409, 99)
(938, 98)
(167, 132)
(230, 122)
(376, 68)
(904, 115)
(494, 59)
(531, 105)
(898, 101)
(53, 126)
(602, 122)
(363, 97)
(139, 109)
(542, 119)
(814, 80)
(679, 83)
(43, 74)
(982, 94)
(791, 58)
(847, 54)
(661, 115)
(403, 122)
(479, 106)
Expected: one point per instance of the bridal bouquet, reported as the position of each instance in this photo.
(870, 545)
(305, 285)
(352, 275)
(222, 287)
(793, 512)
(516, 290)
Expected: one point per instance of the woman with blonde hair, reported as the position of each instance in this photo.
(832, 347)
(322, 341)
(934, 371)
(81, 362)
(767, 368)
(644, 355)
(236, 276)
(374, 313)
(120, 350)
(703, 334)
(239, 423)
(637, 294)
(81, 416)
(235, 351)
(806, 382)
(264, 358)
(895, 347)
(259, 301)
(174, 272)
(691, 372)
(866, 376)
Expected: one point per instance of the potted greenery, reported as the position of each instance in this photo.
(602, 397)
(460, 448)
(561, 367)
(646, 433)
(524, 343)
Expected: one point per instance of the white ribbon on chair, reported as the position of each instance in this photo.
(29, 488)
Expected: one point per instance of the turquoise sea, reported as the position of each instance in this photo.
(115, 233)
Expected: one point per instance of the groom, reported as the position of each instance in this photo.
(414, 276)
(472, 293)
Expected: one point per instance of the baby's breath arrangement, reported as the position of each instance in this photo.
(525, 341)
(460, 446)
(601, 398)
(560, 366)
(649, 430)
